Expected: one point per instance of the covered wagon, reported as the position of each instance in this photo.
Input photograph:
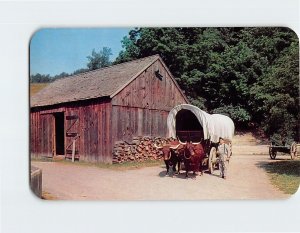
(189, 123)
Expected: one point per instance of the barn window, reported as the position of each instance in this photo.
(188, 127)
(158, 75)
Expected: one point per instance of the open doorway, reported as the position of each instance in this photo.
(188, 127)
(59, 133)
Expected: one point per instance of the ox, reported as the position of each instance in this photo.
(171, 158)
(192, 155)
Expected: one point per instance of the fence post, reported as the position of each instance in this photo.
(73, 151)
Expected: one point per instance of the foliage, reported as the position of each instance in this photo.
(278, 94)
(250, 74)
(79, 71)
(99, 59)
(40, 78)
(237, 113)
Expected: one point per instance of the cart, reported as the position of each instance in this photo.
(189, 123)
(286, 149)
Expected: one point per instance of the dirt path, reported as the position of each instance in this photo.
(246, 180)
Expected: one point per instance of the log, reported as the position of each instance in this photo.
(139, 149)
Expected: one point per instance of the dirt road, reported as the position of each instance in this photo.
(246, 180)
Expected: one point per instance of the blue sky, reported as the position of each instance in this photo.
(53, 51)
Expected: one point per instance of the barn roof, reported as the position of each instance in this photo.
(104, 82)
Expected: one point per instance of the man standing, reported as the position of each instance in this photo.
(223, 151)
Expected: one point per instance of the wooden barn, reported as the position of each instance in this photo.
(86, 114)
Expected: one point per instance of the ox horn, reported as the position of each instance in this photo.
(196, 143)
(181, 142)
(175, 147)
(157, 147)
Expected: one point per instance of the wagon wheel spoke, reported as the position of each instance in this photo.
(272, 152)
(212, 160)
(293, 150)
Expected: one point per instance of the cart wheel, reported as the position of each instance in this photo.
(212, 159)
(272, 153)
(293, 150)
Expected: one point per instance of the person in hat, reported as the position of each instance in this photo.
(223, 152)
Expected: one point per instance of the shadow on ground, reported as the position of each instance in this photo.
(163, 174)
(282, 167)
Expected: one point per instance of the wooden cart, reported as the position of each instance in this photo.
(287, 149)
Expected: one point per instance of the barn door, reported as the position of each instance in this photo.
(72, 136)
(46, 143)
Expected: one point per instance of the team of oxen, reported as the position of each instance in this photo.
(191, 154)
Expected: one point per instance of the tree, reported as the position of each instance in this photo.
(40, 78)
(276, 95)
(250, 74)
(99, 59)
(79, 71)
(61, 75)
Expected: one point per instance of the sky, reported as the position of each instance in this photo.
(57, 50)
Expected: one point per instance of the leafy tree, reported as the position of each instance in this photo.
(40, 78)
(61, 75)
(79, 71)
(276, 95)
(99, 59)
(250, 74)
(46, 78)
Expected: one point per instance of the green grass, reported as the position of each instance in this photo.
(284, 174)
(123, 166)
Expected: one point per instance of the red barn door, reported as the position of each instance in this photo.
(46, 142)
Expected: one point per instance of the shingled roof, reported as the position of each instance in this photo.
(93, 84)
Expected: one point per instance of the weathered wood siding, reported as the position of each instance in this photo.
(93, 126)
(142, 107)
(148, 91)
(129, 122)
(41, 134)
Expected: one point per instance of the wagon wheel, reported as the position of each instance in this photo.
(212, 159)
(293, 150)
(272, 152)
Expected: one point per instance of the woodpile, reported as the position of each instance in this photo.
(140, 149)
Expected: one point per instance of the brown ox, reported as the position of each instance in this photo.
(192, 155)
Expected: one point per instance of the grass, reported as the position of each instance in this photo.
(285, 175)
(36, 87)
(122, 166)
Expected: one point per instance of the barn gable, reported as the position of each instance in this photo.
(152, 88)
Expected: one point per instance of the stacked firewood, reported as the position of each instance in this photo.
(140, 149)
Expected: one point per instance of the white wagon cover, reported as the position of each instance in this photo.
(214, 125)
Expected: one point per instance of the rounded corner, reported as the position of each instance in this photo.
(34, 194)
(292, 30)
(34, 34)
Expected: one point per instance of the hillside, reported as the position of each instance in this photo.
(36, 87)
